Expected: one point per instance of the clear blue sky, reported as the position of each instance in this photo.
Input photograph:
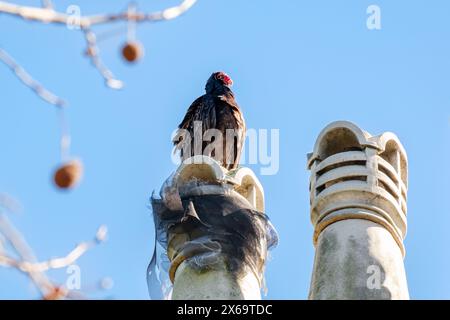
(296, 65)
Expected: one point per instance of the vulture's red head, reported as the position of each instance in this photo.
(224, 78)
(218, 82)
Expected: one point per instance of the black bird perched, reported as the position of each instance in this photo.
(216, 109)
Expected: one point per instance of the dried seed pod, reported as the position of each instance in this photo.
(69, 174)
(132, 51)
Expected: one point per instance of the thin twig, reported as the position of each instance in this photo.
(92, 52)
(48, 15)
(21, 247)
(10, 204)
(55, 263)
(27, 262)
(28, 80)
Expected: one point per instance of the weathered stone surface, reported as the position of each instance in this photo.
(214, 284)
(358, 191)
(358, 259)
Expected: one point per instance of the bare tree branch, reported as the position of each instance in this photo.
(10, 204)
(55, 263)
(92, 52)
(21, 247)
(27, 262)
(49, 15)
(28, 80)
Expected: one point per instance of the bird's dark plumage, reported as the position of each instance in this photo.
(216, 109)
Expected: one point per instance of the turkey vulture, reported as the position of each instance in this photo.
(216, 109)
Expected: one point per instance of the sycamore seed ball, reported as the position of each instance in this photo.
(132, 51)
(68, 175)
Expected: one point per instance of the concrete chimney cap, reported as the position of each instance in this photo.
(385, 138)
(355, 137)
(357, 175)
(208, 172)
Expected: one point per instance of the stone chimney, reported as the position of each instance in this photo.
(358, 192)
(211, 225)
